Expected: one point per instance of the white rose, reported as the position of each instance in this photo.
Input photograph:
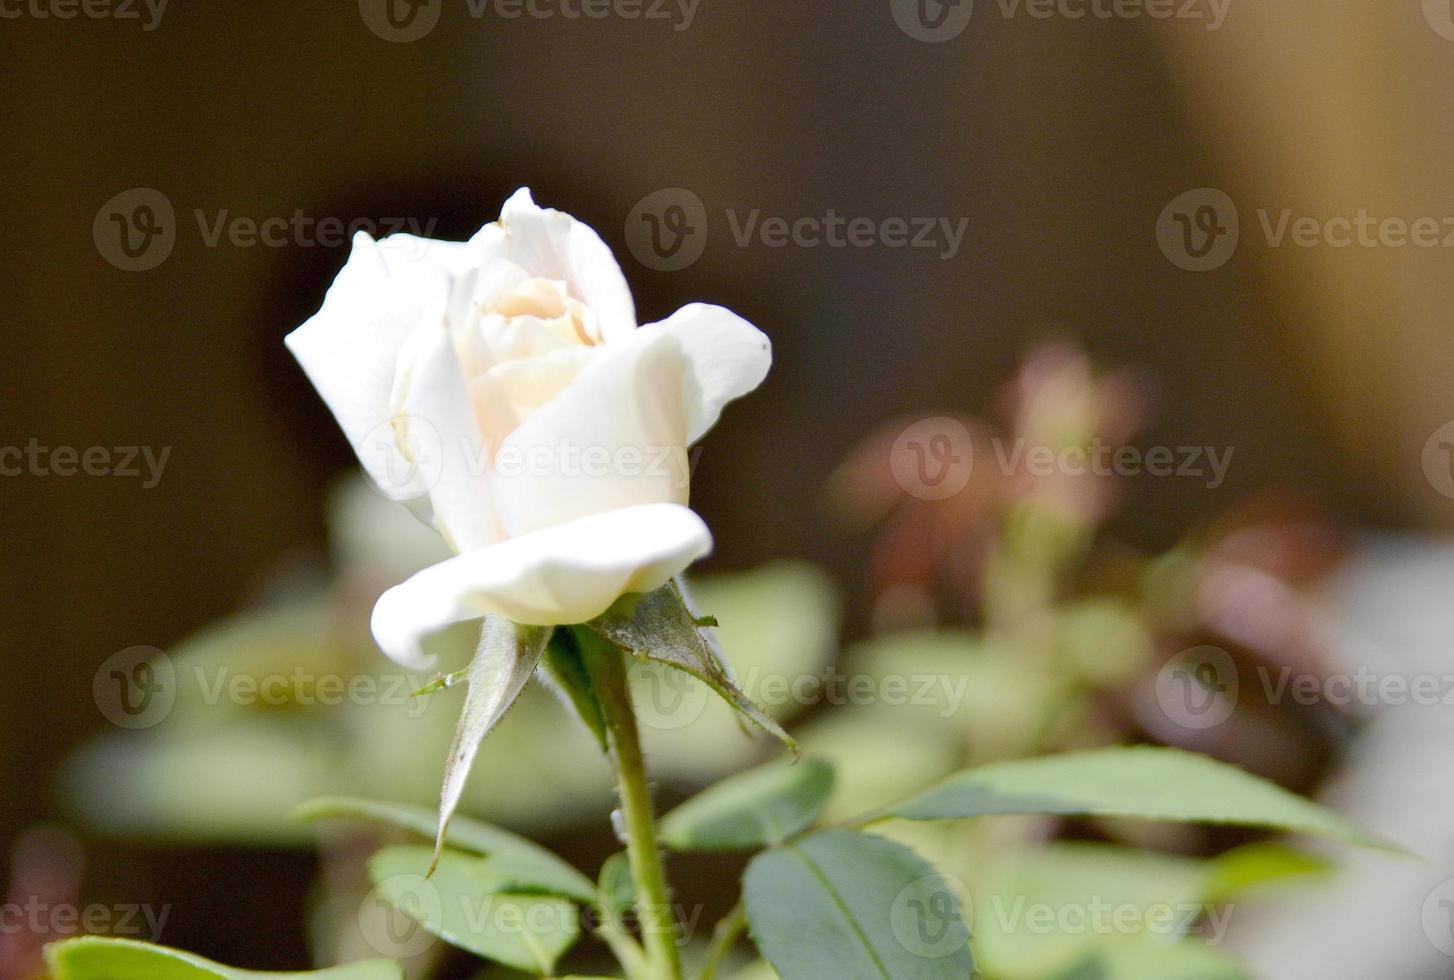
(501, 388)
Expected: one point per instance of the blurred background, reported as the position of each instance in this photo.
(1228, 226)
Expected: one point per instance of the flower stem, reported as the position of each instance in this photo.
(607, 671)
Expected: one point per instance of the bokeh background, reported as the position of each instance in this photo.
(1058, 141)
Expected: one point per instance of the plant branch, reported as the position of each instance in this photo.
(606, 667)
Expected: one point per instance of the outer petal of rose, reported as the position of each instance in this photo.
(350, 348)
(612, 438)
(553, 245)
(727, 357)
(437, 421)
(570, 573)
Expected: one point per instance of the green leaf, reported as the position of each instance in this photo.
(507, 656)
(1038, 911)
(100, 958)
(659, 627)
(758, 808)
(466, 833)
(617, 887)
(1257, 866)
(563, 666)
(844, 904)
(1147, 783)
(466, 901)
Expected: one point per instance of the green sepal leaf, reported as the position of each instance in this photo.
(845, 904)
(758, 808)
(1142, 782)
(563, 666)
(659, 627)
(467, 901)
(508, 654)
(465, 833)
(101, 958)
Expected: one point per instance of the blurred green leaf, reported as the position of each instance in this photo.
(464, 904)
(764, 806)
(617, 887)
(233, 781)
(99, 958)
(1143, 782)
(1039, 911)
(1258, 866)
(464, 833)
(843, 904)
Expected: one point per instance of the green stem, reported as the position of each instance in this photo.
(724, 937)
(607, 671)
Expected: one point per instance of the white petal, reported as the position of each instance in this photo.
(726, 355)
(554, 245)
(443, 440)
(614, 437)
(350, 348)
(565, 574)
